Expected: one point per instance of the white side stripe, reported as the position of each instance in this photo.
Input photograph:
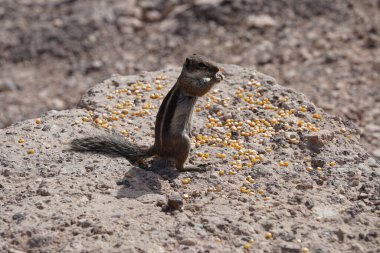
(164, 115)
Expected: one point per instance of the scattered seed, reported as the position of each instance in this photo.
(31, 151)
(186, 180)
(268, 235)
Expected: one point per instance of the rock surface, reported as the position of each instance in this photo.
(52, 51)
(282, 175)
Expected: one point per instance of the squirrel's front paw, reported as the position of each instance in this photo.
(219, 77)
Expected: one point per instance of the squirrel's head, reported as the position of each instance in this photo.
(200, 67)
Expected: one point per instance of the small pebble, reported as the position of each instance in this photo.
(175, 202)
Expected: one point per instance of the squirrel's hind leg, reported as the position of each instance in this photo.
(165, 167)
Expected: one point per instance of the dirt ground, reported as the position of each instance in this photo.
(51, 51)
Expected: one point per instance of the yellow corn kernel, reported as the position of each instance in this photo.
(247, 246)
(309, 169)
(124, 132)
(31, 151)
(38, 121)
(86, 119)
(221, 155)
(317, 116)
(21, 141)
(159, 87)
(244, 190)
(186, 180)
(268, 235)
(261, 191)
(333, 163)
(148, 88)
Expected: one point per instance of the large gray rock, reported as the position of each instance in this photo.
(57, 200)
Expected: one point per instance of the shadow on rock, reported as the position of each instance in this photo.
(143, 181)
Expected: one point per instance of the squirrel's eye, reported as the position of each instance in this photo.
(202, 65)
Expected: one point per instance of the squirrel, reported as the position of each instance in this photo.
(173, 121)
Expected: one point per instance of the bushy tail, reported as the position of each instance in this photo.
(112, 145)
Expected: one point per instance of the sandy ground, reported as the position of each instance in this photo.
(282, 176)
(51, 51)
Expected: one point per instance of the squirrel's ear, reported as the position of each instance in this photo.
(187, 62)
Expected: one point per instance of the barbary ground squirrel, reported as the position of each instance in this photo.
(173, 121)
